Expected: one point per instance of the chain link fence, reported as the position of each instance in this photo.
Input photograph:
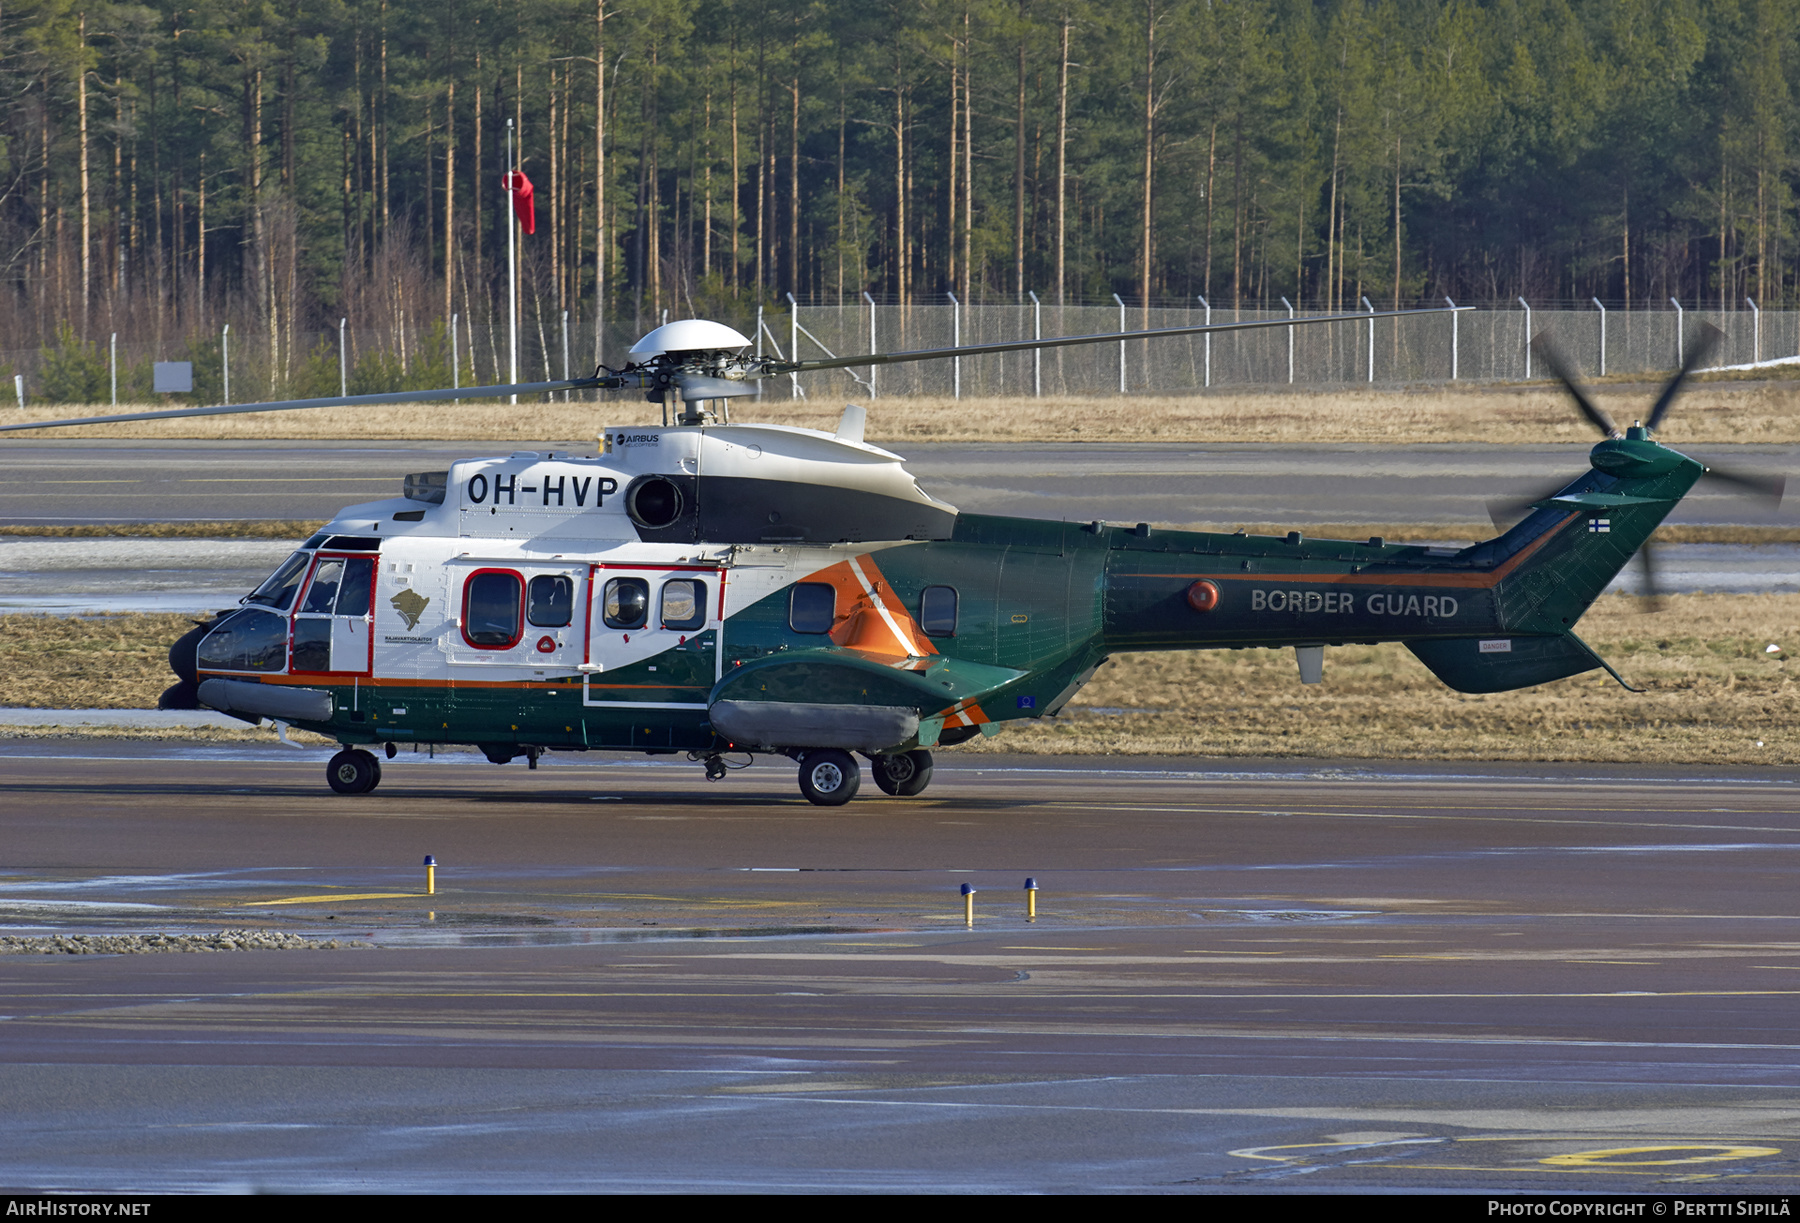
(1475, 345)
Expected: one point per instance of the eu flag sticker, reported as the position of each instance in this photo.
(1028, 702)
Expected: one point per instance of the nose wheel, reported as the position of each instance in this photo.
(353, 771)
(903, 774)
(829, 777)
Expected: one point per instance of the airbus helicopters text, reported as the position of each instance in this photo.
(713, 588)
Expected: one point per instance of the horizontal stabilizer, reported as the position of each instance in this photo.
(1501, 664)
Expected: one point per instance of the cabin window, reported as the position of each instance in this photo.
(684, 604)
(812, 607)
(493, 609)
(249, 640)
(552, 603)
(279, 590)
(627, 603)
(937, 611)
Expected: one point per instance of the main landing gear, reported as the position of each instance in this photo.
(904, 774)
(829, 777)
(353, 771)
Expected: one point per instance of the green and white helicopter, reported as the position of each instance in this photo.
(714, 588)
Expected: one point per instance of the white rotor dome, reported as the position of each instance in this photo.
(688, 335)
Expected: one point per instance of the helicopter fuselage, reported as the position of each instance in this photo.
(761, 588)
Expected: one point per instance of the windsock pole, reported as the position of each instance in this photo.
(512, 262)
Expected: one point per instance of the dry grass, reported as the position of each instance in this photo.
(272, 528)
(1719, 409)
(87, 662)
(1714, 696)
(1714, 693)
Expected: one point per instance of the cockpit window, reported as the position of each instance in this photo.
(322, 594)
(247, 640)
(279, 590)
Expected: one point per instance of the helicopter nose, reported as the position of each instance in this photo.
(184, 661)
(184, 654)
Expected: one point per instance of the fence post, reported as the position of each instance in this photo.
(793, 344)
(1037, 354)
(955, 342)
(1121, 302)
(1290, 331)
(1370, 307)
(871, 302)
(1756, 350)
(1527, 306)
(1602, 310)
(1455, 340)
(1679, 356)
(343, 362)
(112, 362)
(565, 353)
(759, 337)
(1205, 305)
(19, 389)
(225, 359)
(456, 348)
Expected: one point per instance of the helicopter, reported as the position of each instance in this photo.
(724, 589)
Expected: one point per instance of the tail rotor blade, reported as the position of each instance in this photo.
(1650, 594)
(1548, 354)
(1770, 487)
(1706, 339)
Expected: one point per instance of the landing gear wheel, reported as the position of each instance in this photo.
(829, 777)
(353, 771)
(904, 774)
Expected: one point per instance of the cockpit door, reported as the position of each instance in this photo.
(333, 621)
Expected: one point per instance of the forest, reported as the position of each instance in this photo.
(170, 168)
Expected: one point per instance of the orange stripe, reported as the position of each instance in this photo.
(861, 624)
(304, 680)
(961, 714)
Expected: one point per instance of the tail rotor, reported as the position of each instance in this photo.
(1506, 511)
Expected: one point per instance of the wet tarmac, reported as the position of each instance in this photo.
(1246, 977)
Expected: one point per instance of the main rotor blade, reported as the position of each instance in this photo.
(336, 401)
(1110, 337)
(1549, 355)
(1706, 338)
(1508, 512)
